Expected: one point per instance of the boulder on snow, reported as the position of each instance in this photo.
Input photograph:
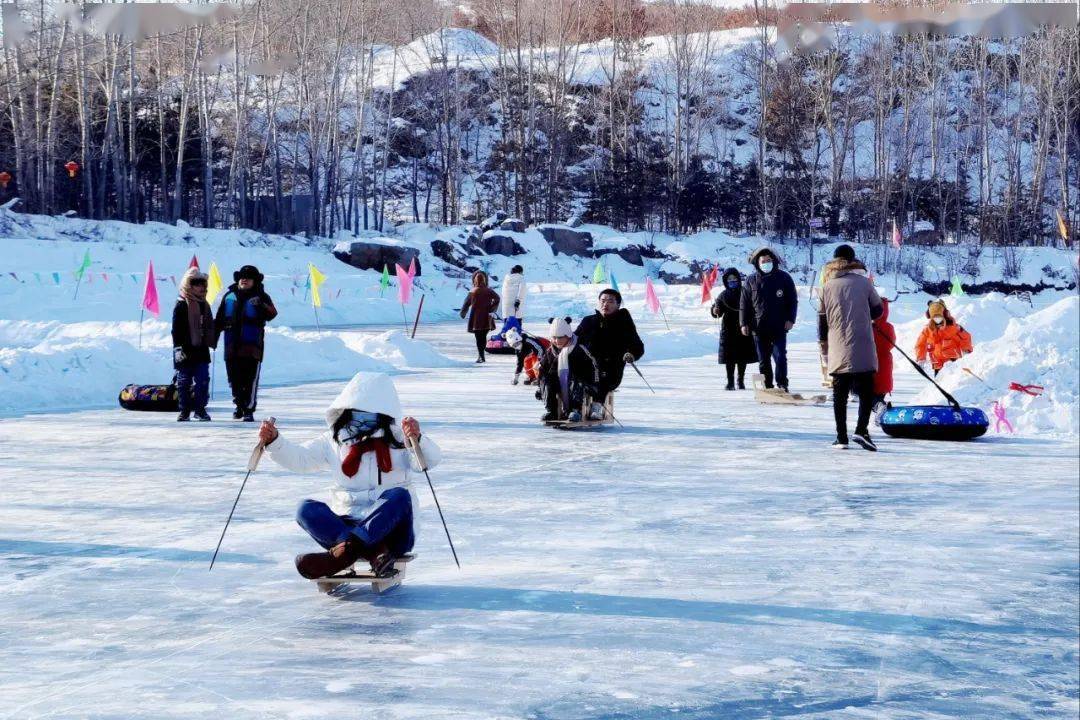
(495, 242)
(493, 221)
(574, 221)
(449, 253)
(567, 240)
(634, 254)
(512, 225)
(375, 256)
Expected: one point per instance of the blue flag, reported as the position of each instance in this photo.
(613, 283)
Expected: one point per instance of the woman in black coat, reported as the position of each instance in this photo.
(736, 349)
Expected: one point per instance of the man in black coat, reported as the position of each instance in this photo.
(241, 319)
(612, 338)
(768, 308)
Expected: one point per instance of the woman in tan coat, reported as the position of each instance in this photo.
(479, 304)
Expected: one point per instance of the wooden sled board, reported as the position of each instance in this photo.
(378, 584)
(567, 425)
(776, 396)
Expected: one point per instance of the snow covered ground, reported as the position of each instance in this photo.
(711, 559)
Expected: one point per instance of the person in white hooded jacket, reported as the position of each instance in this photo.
(371, 514)
(513, 299)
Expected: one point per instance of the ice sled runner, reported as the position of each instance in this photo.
(776, 396)
(158, 398)
(609, 416)
(379, 583)
(934, 422)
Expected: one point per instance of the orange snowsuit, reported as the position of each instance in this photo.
(941, 343)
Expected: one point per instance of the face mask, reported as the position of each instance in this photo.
(939, 319)
(766, 267)
(359, 428)
(733, 284)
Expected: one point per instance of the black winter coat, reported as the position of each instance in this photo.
(768, 301)
(181, 335)
(734, 346)
(583, 367)
(242, 317)
(608, 339)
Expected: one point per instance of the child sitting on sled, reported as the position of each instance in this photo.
(942, 340)
(371, 515)
(568, 374)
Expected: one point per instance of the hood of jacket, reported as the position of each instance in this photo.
(369, 392)
(839, 266)
(938, 307)
(765, 250)
(884, 317)
(730, 272)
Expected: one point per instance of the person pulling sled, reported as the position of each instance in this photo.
(371, 513)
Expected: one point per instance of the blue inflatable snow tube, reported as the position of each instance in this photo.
(934, 422)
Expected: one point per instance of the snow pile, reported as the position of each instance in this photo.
(398, 349)
(51, 366)
(1039, 349)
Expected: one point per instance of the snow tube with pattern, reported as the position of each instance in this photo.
(934, 422)
(160, 398)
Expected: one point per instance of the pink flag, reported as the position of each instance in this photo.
(194, 262)
(412, 268)
(896, 239)
(651, 301)
(404, 284)
(150, 298)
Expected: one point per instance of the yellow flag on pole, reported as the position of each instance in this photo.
(213, 284)
(1062, 228)
(317, 279)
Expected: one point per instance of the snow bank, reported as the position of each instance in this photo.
(48, 366)
(1038, 349)
(678, 343)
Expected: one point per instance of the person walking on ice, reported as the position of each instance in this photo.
(513, 299)
(849, 306)
(192, 335)
(241, 317)
(479, 306)
(736, 349)
(942, 340)
(767, 311)
(372, 510)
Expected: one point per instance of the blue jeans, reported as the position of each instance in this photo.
(193, 386)
(774, 350)
(511, 322)
(390, 521)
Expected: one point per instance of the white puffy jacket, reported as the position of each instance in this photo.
(370, 392)
(513, 290)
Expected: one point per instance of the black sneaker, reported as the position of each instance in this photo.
(574, 416)
(548, 417)
(237, 414)
(184, 416)
(839, 444)
(729, 386)
(249, 417)
(864, 440)
(202, 416)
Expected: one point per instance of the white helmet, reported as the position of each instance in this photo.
(513, 338)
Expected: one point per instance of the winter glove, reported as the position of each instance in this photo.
(628, 358)
(517, 304)
(179, 356)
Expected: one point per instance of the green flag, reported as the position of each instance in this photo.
(598, 274)
(957, 289)
(85, 265)
(384, 282)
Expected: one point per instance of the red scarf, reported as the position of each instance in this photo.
(351, 464)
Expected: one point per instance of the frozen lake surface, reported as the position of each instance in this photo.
(711, 559)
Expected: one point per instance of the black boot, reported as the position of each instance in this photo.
(237, 413)
(202, 415)
(331, 562)
(184, 416)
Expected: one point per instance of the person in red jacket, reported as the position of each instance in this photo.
(884, 339)
(942, 340)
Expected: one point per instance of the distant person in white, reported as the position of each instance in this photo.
(513, 299)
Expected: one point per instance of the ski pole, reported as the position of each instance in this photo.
(253, 462)
(423, 467)
(642, 377)
(919, 368)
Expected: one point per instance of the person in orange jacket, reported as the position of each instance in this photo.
(942, 340)
(884, 339)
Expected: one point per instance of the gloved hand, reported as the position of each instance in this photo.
(517, 304)
(179, 356)
(628, 358)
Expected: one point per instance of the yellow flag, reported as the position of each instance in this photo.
(1061, 227)
(317, 279)
(213, 284)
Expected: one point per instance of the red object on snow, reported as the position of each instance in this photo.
(1033, 390)
(72, 167)
(5, 178)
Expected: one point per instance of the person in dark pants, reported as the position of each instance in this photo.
(242, 316)
(193, 335)
(480, 305)
(849, 306)
(612, 338)
(736, 349)
(526, 346)
(767, 310)
(568, 374)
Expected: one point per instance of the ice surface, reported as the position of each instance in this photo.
(711, 559)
